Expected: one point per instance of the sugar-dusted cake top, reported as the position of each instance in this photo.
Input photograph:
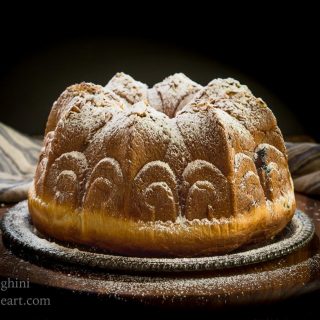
(177, 141)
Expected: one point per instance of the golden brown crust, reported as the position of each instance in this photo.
(182, 238)
(127, 88)
(118, 174)
(172, 94)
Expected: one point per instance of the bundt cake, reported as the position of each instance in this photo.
(178, 170)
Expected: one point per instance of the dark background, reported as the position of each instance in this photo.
(272, 50)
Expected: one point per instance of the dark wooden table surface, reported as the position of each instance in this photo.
(270, 288)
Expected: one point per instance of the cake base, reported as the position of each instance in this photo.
(292, 275)
(19, 233)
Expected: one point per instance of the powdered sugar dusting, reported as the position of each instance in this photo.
(118, 123)
(126, 87)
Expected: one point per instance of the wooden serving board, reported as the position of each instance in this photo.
(270, 281)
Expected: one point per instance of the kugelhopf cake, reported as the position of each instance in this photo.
(178, 170)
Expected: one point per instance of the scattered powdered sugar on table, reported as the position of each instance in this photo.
(216, 286)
